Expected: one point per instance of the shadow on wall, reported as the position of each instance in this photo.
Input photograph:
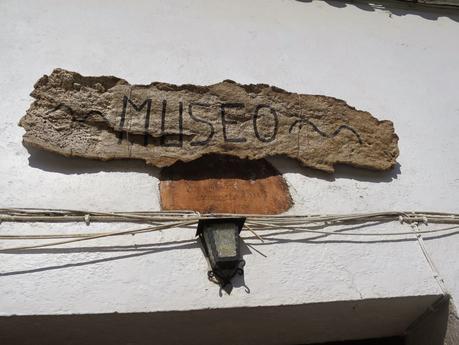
(250, 246)
(287, 165)
(124, 252)
(439, 326)
(52, 162)
(287, 324)
(127, 251)
(397, 8)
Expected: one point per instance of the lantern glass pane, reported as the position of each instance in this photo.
(225, 239)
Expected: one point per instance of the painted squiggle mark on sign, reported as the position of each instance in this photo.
(304, 121)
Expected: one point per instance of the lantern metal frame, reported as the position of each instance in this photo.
(222, 268)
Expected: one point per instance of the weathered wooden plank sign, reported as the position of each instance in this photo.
(224, 184)
(107, 118)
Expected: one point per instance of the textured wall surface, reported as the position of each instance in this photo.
(397, 65)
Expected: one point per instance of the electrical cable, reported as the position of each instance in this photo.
(162, 220)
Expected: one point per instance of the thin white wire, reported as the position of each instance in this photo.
(436, 274)
(174, 219)
(92, 237)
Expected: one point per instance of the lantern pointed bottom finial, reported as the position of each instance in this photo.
(221, 242)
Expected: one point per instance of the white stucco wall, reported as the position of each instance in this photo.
(400, 68)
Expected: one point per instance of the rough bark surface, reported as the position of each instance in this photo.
(107, 118)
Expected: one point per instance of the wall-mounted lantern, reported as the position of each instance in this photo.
(221, 242)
